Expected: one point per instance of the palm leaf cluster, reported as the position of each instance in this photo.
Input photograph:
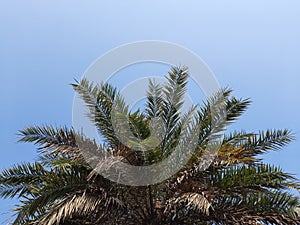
(61, 187)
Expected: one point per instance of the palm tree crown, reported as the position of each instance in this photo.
(236, 187)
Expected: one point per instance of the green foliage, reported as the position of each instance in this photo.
(237, 187)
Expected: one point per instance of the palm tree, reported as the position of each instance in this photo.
(62, 187)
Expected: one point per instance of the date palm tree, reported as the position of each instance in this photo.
(236, 187)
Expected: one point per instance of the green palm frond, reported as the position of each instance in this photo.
(99, 99)
(269, 140)
(214, 122)
(22, 180)
(39, 187)
(172, 101)
(242, 147)
(60, 140)
(154, 100)
(47, 196)
(258, 204)
(251, 178)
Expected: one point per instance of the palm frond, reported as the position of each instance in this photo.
(99, 99)
(188, 201)
(154, 100)
(22, 180)
(86, 205)
(227, 110)
(269, 140)
(242, 147)
(266, 207)
(60, 140)
(172, 101)
(243, 179)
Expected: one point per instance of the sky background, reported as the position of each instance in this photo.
(251, 46)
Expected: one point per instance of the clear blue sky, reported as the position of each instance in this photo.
(252, 46)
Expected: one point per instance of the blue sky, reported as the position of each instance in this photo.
(251, 46)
